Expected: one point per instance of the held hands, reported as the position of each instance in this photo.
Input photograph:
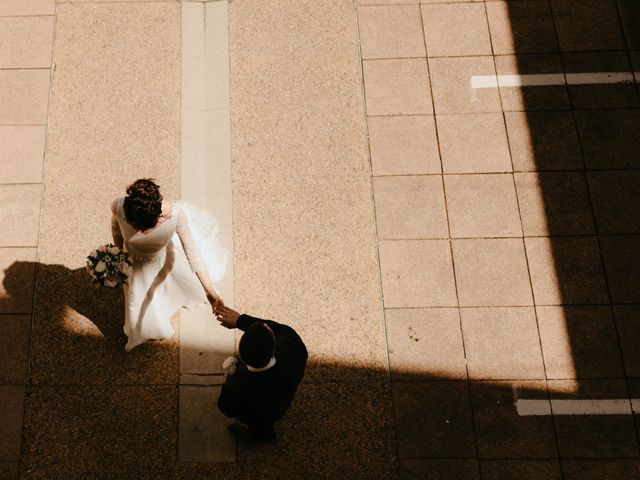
(214, 299)
(227, 317)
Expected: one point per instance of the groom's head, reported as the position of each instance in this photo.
(256, 345)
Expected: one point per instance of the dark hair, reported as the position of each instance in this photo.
(256, 345)
(143, 204)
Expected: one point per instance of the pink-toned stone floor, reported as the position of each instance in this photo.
(507, 232)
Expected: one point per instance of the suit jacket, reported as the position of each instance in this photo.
(258, 397)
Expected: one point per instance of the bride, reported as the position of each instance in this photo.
(175, 256)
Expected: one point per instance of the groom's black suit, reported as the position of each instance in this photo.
(260, 398)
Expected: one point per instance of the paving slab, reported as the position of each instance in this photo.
(21, 215)
(595, 436)
(566, 270)
(451, 81)
(11, 414)
(554, 203)
(629, 15)
(18, 269)
(482, 206)
(425, 342)
(443, 34)
(433, 469)
(593, 345)
(607, 138)
(203, 428)
(594, 469)
(24, 95)
(417, 273)
(528, 98)
(491, 272)
(474, 143)
(397, 86)
(615, 197)
(591, 25)
(26, 42)
(521, 27)
(543, 141)
(403, 145)
(501, 432)
(393, 31)
(22, 153)
(502, 343)
(14, 349)
(433, 419)
(628, 327)
(27, 7)
(410, 207)
(622, 262)
(522, 469)
(617, 95)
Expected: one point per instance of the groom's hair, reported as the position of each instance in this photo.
(256, 345)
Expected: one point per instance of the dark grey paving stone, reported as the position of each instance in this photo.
(544, 140)
(520, 469)
(17, 273)
(531, 25)
(591, 337)
(622, 264)
(601, 469)
(332, 430)
(14, 349)
(430, 469)
(627, 319)
(565, 203)
(433, 419)
(615, 95)
(609, 138)
(9, 471)
(501, 432)
(11, 418)
(100, 432)
(527, 98)
(630, 17)
(78, 336)
(616, 201)
(594, 436)
(587, 25)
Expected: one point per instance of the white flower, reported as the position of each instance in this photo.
(229, 365)
(101, 266)
(94, 253)
(113, 250)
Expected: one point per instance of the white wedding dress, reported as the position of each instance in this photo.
(164, 264)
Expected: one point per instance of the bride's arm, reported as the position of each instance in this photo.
(118, 239)
(195, 259)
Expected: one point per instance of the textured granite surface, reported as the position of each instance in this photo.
(303, 218)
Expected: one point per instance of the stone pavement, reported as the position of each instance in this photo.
(449, 245)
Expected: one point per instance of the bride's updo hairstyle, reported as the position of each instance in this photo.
(143, 204)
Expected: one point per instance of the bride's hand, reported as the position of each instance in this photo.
(214, 299)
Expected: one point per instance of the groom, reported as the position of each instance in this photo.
(272, 362)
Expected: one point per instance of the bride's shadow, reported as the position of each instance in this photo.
(77, 334)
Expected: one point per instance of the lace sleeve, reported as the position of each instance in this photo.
(118, 239)
(188, 243)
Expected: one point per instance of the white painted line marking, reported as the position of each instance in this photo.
(549, 79)
(615, 406)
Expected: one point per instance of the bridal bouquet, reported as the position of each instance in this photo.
(108, 265)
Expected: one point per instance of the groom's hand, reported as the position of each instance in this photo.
(227, 317)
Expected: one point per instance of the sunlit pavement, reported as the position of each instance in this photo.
(440, 197)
